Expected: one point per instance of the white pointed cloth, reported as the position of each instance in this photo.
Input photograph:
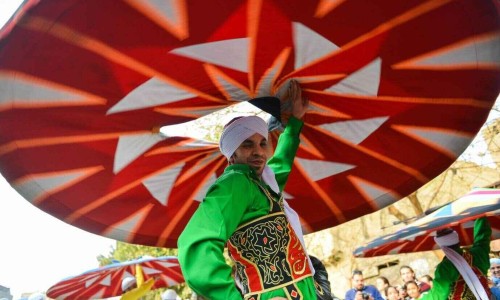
(231, 138)
(462, 266)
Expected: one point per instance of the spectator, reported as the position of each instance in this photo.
(413, 290)
(407, 274)
(128, 284)
(323, 286)
(495, 271)
(382, 284)
(403, 295)
(391, 293)
(360, 290)
(169, 294)
(427, 279)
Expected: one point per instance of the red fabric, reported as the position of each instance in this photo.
(71, 72)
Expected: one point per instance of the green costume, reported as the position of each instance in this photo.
(237, 198)
(448, 283)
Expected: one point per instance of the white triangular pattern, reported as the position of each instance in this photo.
(16, 91)
(364, 82)
(380, 197)
(235, 93)
(123, 230)
(131, 147)
(160, 185)
(171, 282)
(266, 82)
(126, 274)
(153, 92)
(484, 51)
(203, 191)
(165, 8)
(98, 295)
(91, 281)
(396, 249)
(454, 143)
(231, 54)
(309, 45)
(166, 264)
(355, 131)
(39, 185)
(320, 169)
(150, 271)
(106, 281)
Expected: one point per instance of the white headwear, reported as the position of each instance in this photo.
(462, 266)
(37, 296)
(169, 295)
(127, 282)
(238, 131)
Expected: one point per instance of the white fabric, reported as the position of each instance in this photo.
(127, 282)
(169, 295)
(447, 240)
(462, 266)
(293, 217)
(238, 131)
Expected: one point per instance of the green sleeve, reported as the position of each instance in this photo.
(446, 272)
(282, 161)
(201, 244)
(481, 248)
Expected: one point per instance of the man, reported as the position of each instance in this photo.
(407, 275)
(360, 291)
(462, 274)
(245, 209)
(169, 294)
(495, 271)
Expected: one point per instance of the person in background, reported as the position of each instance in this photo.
(128, 283)
(382, 284)
(495, 271)
(169, 294)
(360, 291)
(403, 295)
(391, 293)
(462, 273)
(407, 274)
(413, 290)
(495, 290)
(135, 288)
(427, 279)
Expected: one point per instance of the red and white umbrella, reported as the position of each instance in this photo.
(106, 281)
(459, 215)
(398, 90)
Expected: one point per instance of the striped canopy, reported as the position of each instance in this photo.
(106, 281)
(459, 215)
(398, 89)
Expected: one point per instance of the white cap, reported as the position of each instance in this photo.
(127, 282)
(37, 296)
(169, 295)
(237, 131)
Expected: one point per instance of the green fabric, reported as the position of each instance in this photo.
(231, 201)
(446, 273)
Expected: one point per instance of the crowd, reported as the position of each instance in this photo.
(409, 286)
